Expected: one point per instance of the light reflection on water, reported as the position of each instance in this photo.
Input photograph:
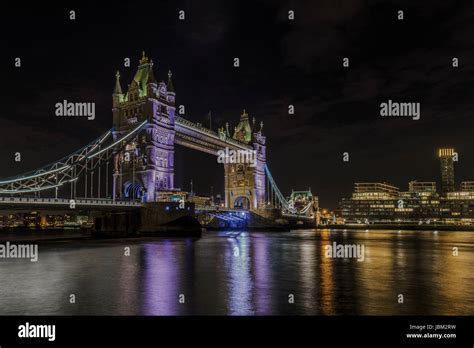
(246, 273)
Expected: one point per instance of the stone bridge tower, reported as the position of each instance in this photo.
(146, 166)
(245, 182)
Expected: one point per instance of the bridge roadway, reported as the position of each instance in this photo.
(81, 203)
(63, 203)
(91, 202)
(10, 204)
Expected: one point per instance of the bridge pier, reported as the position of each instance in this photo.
(152, 219)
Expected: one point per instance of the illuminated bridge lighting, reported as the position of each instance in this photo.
(34, 176)
(128, 135)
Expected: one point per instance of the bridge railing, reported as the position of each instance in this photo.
(215, 209)
(65, 201)
(68, 170)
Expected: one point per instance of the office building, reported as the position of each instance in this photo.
(446, 158)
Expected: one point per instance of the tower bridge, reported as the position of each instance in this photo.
(131, 164)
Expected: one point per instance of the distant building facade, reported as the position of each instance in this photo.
(376, 202)
(382, 202)
(370, 201)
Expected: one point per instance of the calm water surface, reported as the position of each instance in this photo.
(246, 273)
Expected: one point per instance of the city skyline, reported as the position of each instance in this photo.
(444, 179)
(424, 202)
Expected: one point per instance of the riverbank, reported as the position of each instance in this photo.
(411, 227)
(34, 235)
(184, 227)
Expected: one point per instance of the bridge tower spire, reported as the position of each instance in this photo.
(146, 166)
(117, 97)
(118, 88)
(170, 82)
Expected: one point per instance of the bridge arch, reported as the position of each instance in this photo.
(133, 190)
(242, 202)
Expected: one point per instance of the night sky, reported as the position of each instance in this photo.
(282, 62)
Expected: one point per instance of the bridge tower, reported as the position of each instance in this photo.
(245, 182)
(146, 165)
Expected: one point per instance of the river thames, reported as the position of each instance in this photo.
(246, 273)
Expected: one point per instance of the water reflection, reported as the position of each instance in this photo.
(160, 279)
(247, 273)
(262, 258)
(326, 280)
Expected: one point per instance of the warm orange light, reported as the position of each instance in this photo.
(447, 152)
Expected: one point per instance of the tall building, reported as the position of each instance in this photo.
(446, 158)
